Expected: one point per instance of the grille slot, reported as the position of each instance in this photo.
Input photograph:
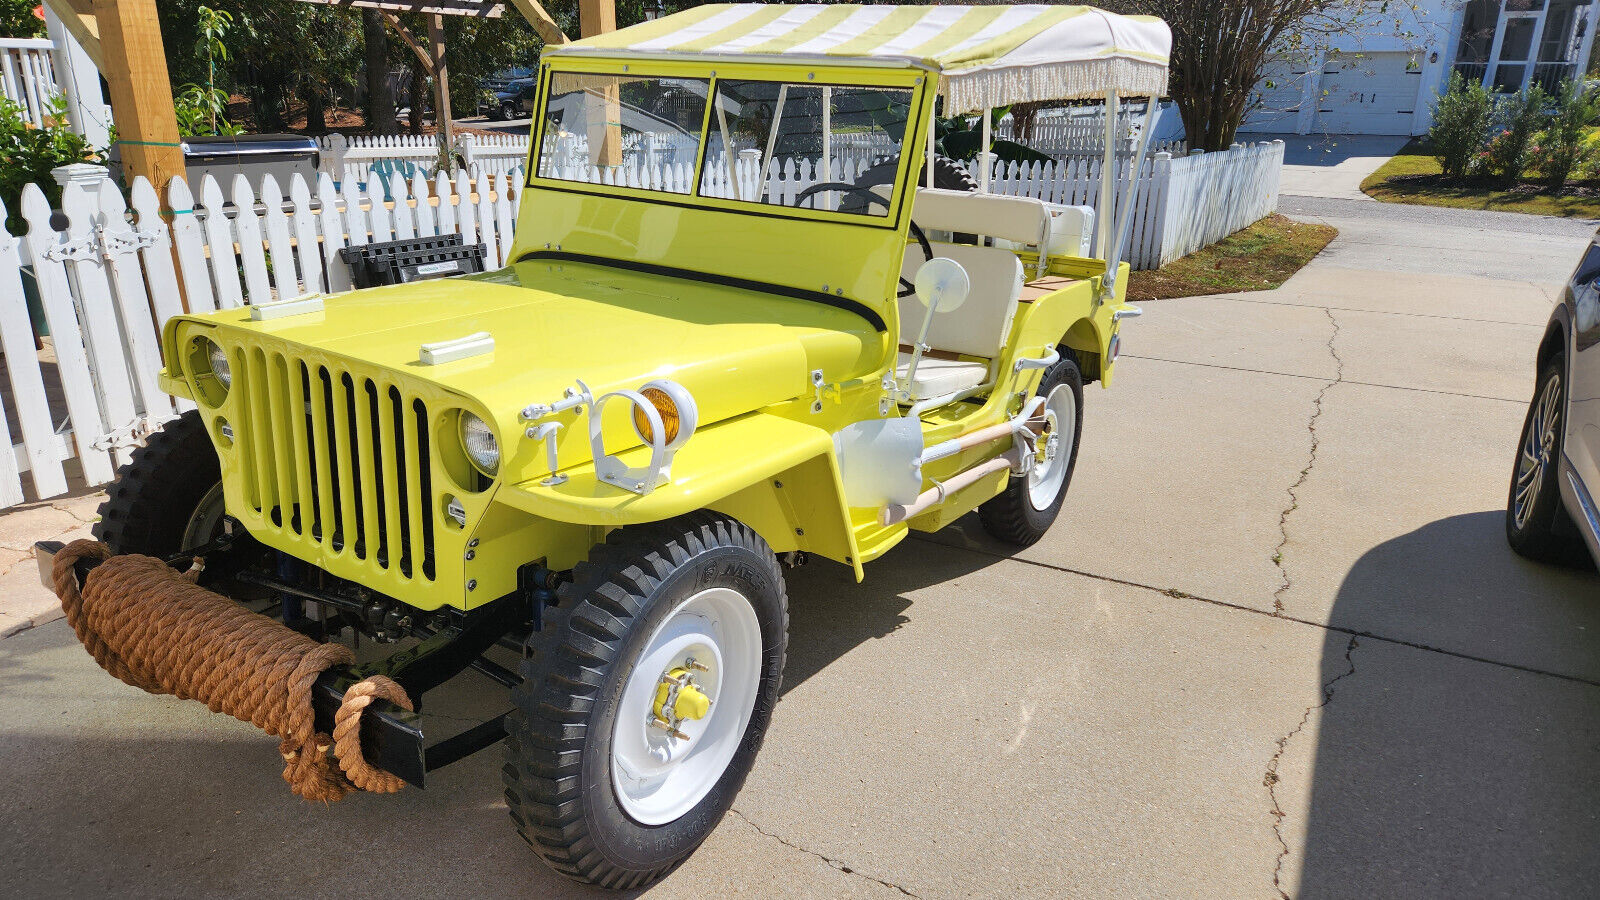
(338, 460)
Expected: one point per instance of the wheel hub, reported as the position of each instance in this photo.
(679, 699)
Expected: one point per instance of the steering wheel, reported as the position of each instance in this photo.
(867, 194)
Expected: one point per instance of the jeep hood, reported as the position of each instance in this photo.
(554, 322)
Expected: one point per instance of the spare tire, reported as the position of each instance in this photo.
(948, 175)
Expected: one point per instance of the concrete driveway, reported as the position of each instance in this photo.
(1275, 646)
(1330, 165)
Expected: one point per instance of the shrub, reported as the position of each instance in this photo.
(27, 154)
(1564, 146)
(1518, 117)
(1460, 126)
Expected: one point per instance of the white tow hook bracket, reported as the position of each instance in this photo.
(278, 309)
(442, 352)
(547, 433)
(1126, 312)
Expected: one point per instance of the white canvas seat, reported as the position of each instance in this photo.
(936, 377)
(977, 328)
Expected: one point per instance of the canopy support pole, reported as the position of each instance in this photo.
(1125, 217)
(827, 135)
(772, 143)
(933, 130)
(985, 158)
(1108, 164)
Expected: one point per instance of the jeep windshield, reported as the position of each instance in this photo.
(797, 144)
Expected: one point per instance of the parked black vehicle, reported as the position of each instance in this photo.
(515, 100)
(1550, 511)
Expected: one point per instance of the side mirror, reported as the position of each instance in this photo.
(942, 285)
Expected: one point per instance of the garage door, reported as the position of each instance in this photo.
(1374, 93)
(1275, 103)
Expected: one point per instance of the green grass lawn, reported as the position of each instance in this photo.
(1258, 258)
(1413, 176)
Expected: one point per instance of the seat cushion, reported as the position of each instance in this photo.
(937, 377)
(979, 326)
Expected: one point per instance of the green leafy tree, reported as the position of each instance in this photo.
(213, 25)
(1460, 126)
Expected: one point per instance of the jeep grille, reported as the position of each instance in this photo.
(336, 459)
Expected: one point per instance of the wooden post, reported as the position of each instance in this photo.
(135, 66)
(441, 88)
(605, 123)
(596, 17)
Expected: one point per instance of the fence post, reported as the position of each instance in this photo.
(332, 161)
(467, 147)
(1151, 249)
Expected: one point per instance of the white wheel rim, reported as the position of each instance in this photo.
(658, 777)
(1054, 453)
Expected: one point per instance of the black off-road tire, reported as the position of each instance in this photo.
(1548, 534)
(558, 769)
(948, 175)
(1011, 516)
(149, 506)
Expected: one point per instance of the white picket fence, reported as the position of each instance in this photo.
(1182, 203)
(107, 282)
(28, 76)
(357, 158)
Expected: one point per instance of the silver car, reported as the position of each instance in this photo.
(1550, 513)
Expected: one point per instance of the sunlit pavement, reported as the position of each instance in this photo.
(1276, 642)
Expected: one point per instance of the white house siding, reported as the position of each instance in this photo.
(1366, 81)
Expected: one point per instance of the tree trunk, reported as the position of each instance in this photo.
(380, 99)
(316, 108)
(419, 97)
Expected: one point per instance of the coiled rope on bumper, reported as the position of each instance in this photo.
(155, 629)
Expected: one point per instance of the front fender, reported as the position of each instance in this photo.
(777, 475)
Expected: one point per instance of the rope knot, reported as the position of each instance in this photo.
(158, 630)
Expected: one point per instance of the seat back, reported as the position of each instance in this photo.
(980, 325)
(1022, 220)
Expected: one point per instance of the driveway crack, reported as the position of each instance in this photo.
(1305, 473)
(1270, 780)
(834, 863)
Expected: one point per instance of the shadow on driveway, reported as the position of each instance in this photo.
(1437, 775)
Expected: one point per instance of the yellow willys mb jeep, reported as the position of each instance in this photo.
(753, 317)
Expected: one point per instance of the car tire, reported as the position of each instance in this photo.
(168, 498)
(1537, 524)
(508, 111)
(603, 795)
(1025, 510)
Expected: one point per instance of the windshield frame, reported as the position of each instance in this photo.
(810, 72)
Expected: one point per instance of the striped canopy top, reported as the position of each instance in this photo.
(986, 56)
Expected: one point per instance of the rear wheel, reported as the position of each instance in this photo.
(1537, 525)
(645, 698)
(1025, 510)
(169, 497)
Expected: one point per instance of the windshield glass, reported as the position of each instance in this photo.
(807, 145)
(609, 129)
(800, 145)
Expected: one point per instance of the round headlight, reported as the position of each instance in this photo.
(676, 407)
(479, 442)
(219, 362)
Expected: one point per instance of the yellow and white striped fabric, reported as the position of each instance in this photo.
(986, 56)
